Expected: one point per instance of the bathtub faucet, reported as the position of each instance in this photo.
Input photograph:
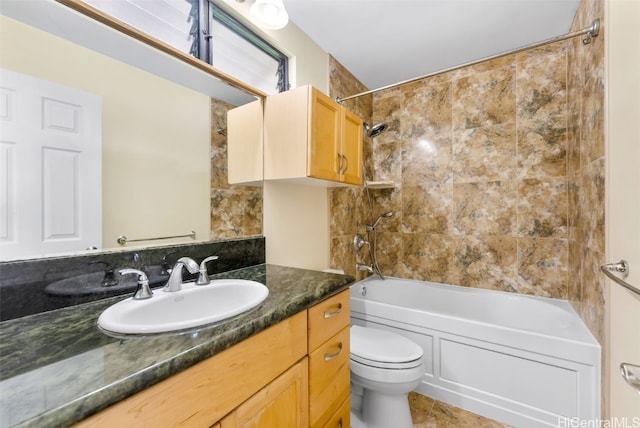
(368, 268)
(359, 242)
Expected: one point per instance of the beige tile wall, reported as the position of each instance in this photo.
(479, 161)
(499, 175)
(586, 178)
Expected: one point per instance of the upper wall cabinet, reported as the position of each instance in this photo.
(307, 134)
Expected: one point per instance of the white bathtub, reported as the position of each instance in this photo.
(521, 360)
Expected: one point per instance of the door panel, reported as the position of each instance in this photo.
(50, 144)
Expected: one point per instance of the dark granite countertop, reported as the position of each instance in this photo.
(58, 367)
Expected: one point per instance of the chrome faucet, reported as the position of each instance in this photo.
(359, 242)
(175, 279)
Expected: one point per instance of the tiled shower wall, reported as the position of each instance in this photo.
(236, 211)
(478, 157)
(498, 172)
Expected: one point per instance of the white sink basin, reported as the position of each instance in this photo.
(192, 306)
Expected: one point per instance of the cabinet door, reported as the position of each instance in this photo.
(244, 143)
(341, 418)
(324, 140)
(351, 149)
(282, 403)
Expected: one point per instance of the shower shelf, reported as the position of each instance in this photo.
(380, 184)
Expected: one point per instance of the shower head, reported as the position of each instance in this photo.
(375, 224)
(375, 130)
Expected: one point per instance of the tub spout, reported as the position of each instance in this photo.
(368, 268)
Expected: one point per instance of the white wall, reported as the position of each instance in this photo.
(296, 224)
(623, 198)
(156, 135)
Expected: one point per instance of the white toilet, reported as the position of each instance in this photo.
(385, 367)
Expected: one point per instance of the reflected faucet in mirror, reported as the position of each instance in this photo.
(109, 279)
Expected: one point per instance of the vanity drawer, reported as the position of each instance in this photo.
(329, 377)
(327, 318)
(341, 418)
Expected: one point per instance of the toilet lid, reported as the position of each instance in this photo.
(383, 348)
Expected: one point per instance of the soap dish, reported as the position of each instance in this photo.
(389, 184)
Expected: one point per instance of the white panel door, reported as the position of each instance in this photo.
(623, 210)
(50, 168)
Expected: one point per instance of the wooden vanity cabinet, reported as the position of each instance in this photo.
(294, 374)
(329, 371)
(282, 403)
(307, 134)
(205, 393)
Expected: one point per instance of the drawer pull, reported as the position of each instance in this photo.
(329, 357)
(340, 423)
(331, 314)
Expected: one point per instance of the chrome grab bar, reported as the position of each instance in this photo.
(621, 267)
(123, 239)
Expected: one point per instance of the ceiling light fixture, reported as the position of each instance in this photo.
(269, 14)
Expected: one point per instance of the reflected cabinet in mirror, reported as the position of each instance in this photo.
(103, 136)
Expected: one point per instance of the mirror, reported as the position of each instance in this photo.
(163, 125)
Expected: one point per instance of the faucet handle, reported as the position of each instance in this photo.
(143, 291)
(203, 277)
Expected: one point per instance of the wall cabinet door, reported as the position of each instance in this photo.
(282, 403)
(335, 141)
(351, 149)
(307, 134)
(245, 144)
(324, 158)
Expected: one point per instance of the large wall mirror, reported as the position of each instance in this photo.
(162, 128)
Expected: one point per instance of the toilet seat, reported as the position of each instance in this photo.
(383, 349)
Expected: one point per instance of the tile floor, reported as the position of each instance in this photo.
(429, 413)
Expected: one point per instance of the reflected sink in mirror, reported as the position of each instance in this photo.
(91, 284)
(192, 306)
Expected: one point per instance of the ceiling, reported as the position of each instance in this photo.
(387, 41)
